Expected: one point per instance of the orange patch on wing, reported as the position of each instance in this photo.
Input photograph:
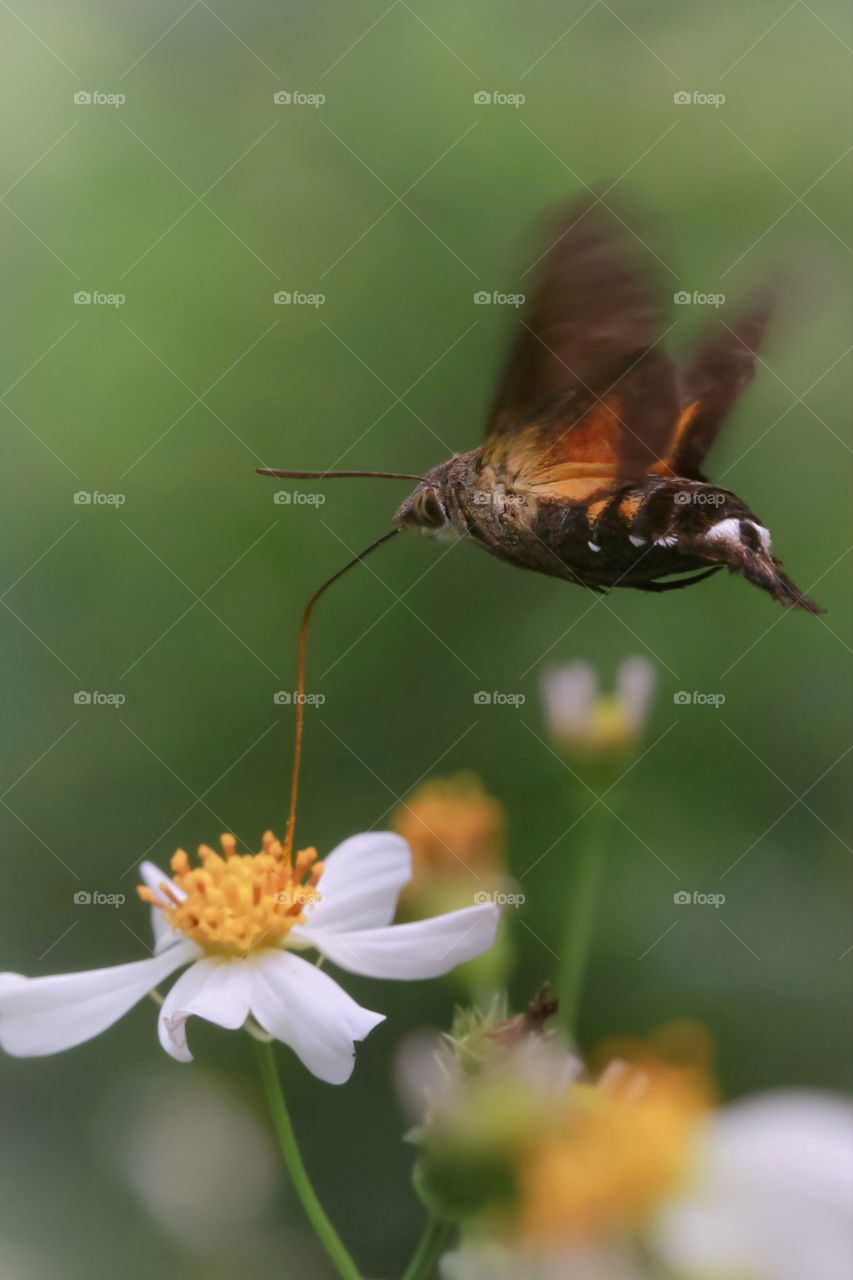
(682, 426)
(594, 439)
(591, 441)
(575, 488)
(567, 463)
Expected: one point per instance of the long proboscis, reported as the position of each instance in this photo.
(300, 680)
(337, 475)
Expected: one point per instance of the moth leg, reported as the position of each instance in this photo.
(677, 585)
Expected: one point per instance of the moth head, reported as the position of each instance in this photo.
(424, 510)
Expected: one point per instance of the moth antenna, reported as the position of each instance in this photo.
(336, 475)
(300, 681)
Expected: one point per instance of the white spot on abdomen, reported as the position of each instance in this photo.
(593, 547)
(635, 542)
(727, 530)
(763, 535)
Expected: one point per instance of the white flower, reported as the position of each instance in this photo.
(773, 1198)
(581, 718)
(487, 1261)
(237, 921)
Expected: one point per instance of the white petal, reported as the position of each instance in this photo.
(44, 1015)
(217, 989)
(423, 949)
(483, 1260)
(361, 881)
(304, 1008)
(568, 692)
(154, 878)
(774, 1198)
(635, 687)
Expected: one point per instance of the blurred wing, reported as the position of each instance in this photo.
(585, 382)
(721, 369)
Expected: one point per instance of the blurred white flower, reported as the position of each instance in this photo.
(171, 1137)
(773, 1196)
(236, 920)
(487, 1261)
(582, 719)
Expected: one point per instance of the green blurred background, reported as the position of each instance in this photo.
(398, 199)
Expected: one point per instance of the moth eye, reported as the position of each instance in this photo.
(429, 510)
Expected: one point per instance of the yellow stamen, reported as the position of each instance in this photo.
(236, 903)
(610, 725)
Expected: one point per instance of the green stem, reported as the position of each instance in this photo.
(314, 1211)
(581, 907)
(432, 1243)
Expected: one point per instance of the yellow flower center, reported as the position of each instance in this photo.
(236, 903)
(612, 1153)
(610, 726)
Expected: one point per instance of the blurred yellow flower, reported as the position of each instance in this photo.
(632, 1173)
(612, 1151)
(524, 1142)
(454, 829)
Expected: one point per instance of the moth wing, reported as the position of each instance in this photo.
(586, 385)
(721, 369)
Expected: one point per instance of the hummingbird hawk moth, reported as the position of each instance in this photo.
(591, 466)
